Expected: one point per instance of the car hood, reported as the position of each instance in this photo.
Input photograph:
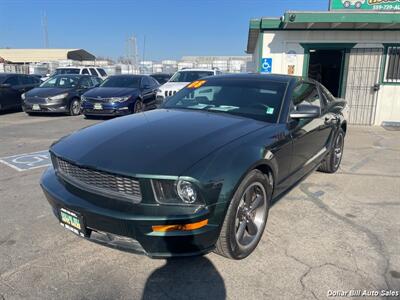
(173, 86)
(105, 92)
(158, 142)
(46, 92)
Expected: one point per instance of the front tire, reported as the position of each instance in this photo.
(246, 217)
(138, 106)
(333, 159)
(75, 107)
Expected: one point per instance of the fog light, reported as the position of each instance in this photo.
(181, 227)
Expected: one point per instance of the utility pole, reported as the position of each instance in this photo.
(132, 52)
(45, 30)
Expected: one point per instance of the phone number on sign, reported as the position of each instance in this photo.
(386, 7)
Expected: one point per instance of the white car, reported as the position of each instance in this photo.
(95, 71)
(180, 79)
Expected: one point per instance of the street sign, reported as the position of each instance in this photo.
(362, 5)
(266, 65)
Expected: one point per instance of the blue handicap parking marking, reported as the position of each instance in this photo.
(27, 161)
(266, 65)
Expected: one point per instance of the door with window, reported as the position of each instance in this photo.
(361, 87)
(310, 135)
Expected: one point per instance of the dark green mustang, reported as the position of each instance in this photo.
(200, 173)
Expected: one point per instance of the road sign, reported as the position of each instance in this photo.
(266, 65)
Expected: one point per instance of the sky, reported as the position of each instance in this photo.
(170, 28)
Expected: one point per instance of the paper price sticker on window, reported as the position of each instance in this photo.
(196, 84)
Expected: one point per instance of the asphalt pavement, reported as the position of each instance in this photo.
(332, 233)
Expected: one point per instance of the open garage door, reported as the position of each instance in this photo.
(361, 89)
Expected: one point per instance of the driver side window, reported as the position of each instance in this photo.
(306, 93)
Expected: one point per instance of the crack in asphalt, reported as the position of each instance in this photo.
(314, 197)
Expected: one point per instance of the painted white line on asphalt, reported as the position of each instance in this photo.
(27, 161)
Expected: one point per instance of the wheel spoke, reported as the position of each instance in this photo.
(240, 231)
(251, 227)
(257, 202)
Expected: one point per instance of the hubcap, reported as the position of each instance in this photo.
(75, 107)
(338, 150)
(251, 215)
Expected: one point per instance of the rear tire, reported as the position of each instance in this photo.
(246, 217)
(74, 107)
(332, 161)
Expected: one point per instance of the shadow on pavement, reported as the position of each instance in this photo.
(185, 278)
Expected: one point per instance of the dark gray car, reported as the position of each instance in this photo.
(11, 88)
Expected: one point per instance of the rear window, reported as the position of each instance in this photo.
(66, 71)
(102, 72)
(189, 76)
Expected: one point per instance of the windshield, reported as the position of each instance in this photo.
(189, 76)
(61, 82)
(122, 82)
(256, 99)
(161, 78)
(66, 71)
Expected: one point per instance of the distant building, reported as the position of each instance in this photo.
(41, 61)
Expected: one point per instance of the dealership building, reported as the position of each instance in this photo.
(351, 49)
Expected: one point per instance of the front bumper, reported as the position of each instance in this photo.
(131, 230)
(59, 107)
(107, 109)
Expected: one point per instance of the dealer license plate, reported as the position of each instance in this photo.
(98, 106)
(35, 107)
(72, 221)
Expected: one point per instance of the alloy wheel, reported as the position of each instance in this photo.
(338, 150)
(251, 215)
(75, 107)
(138, 106)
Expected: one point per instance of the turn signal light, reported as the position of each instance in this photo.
(181, 227)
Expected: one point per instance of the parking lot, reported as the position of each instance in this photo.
(332, 233)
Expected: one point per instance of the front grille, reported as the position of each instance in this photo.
(169, 93)
(98, 100)
(99, 181)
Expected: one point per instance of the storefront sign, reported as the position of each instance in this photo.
(361, 5)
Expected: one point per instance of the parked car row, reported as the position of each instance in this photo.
(72, 90)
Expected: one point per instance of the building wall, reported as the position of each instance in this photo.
(285, 50)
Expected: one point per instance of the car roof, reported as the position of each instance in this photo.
(129, 75)
(77, 67)
(74, 75)
(257, 76)
(196, 70)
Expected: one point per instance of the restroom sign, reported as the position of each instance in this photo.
(266, 65)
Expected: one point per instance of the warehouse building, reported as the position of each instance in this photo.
(355, 53)
(41, 61)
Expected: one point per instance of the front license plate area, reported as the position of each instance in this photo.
(98, 106)
(72, 221)
(35, 107)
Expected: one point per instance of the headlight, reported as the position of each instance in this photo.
(175, 192)
(23, 96)
(119, 99)
(58, 97)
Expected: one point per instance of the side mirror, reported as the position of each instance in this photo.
(5, 85)
(305, 111)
